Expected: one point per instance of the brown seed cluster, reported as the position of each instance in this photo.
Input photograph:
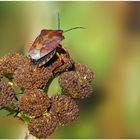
(31, 76)
(6, 94)
(75, 85)
(84, 71)
(65, 108)
(43, 126)
(45, 113)
(34, 102)
(9, 63)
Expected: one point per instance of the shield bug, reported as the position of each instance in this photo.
(46, 44)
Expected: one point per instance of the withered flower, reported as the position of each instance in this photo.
(9, 63)
(31, 76)
(7, 94)
(43, 126)
(84, 71)
(65, 108)
(75, 85)
(34, 102)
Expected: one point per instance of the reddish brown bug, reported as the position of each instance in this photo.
(46, 44)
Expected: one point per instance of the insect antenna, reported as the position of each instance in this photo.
(73, 29)
(58, 21)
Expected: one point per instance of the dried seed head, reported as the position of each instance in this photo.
(34, 102)
(43, 126)
(31, 76)
(75, 85)
(9, 63)
(65, 108)
(84, 71)
(6, 94)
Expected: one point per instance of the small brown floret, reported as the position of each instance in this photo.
(9, 63)
(7, 94)
(75, 85)
(43, 126)
(65, 108)
(31, 76)
(34, 102)
(84, 71)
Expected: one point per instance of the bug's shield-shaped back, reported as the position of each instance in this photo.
(45, 43)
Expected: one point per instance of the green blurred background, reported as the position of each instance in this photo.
(110, 46)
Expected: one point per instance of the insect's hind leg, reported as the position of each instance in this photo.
(58, 62)
(64, 49)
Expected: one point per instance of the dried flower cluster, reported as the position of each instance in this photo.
(34, 102)
(9, 63)
(6, 94)
(65, 108)
(45, 113)
(31, 76)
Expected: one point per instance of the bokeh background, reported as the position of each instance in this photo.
(110, 46)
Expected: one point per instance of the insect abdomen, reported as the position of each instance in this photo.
(44, 59)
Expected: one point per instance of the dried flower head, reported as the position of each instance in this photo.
(31, 76)
(84, 71)
(43, 126)
(34, 102)
(75, 85)
(6, 94)
(65, 108)
(9, 63)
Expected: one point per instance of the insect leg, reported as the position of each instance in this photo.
(59, 58)
(58, 62)
(63, 48)
(68, 56)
